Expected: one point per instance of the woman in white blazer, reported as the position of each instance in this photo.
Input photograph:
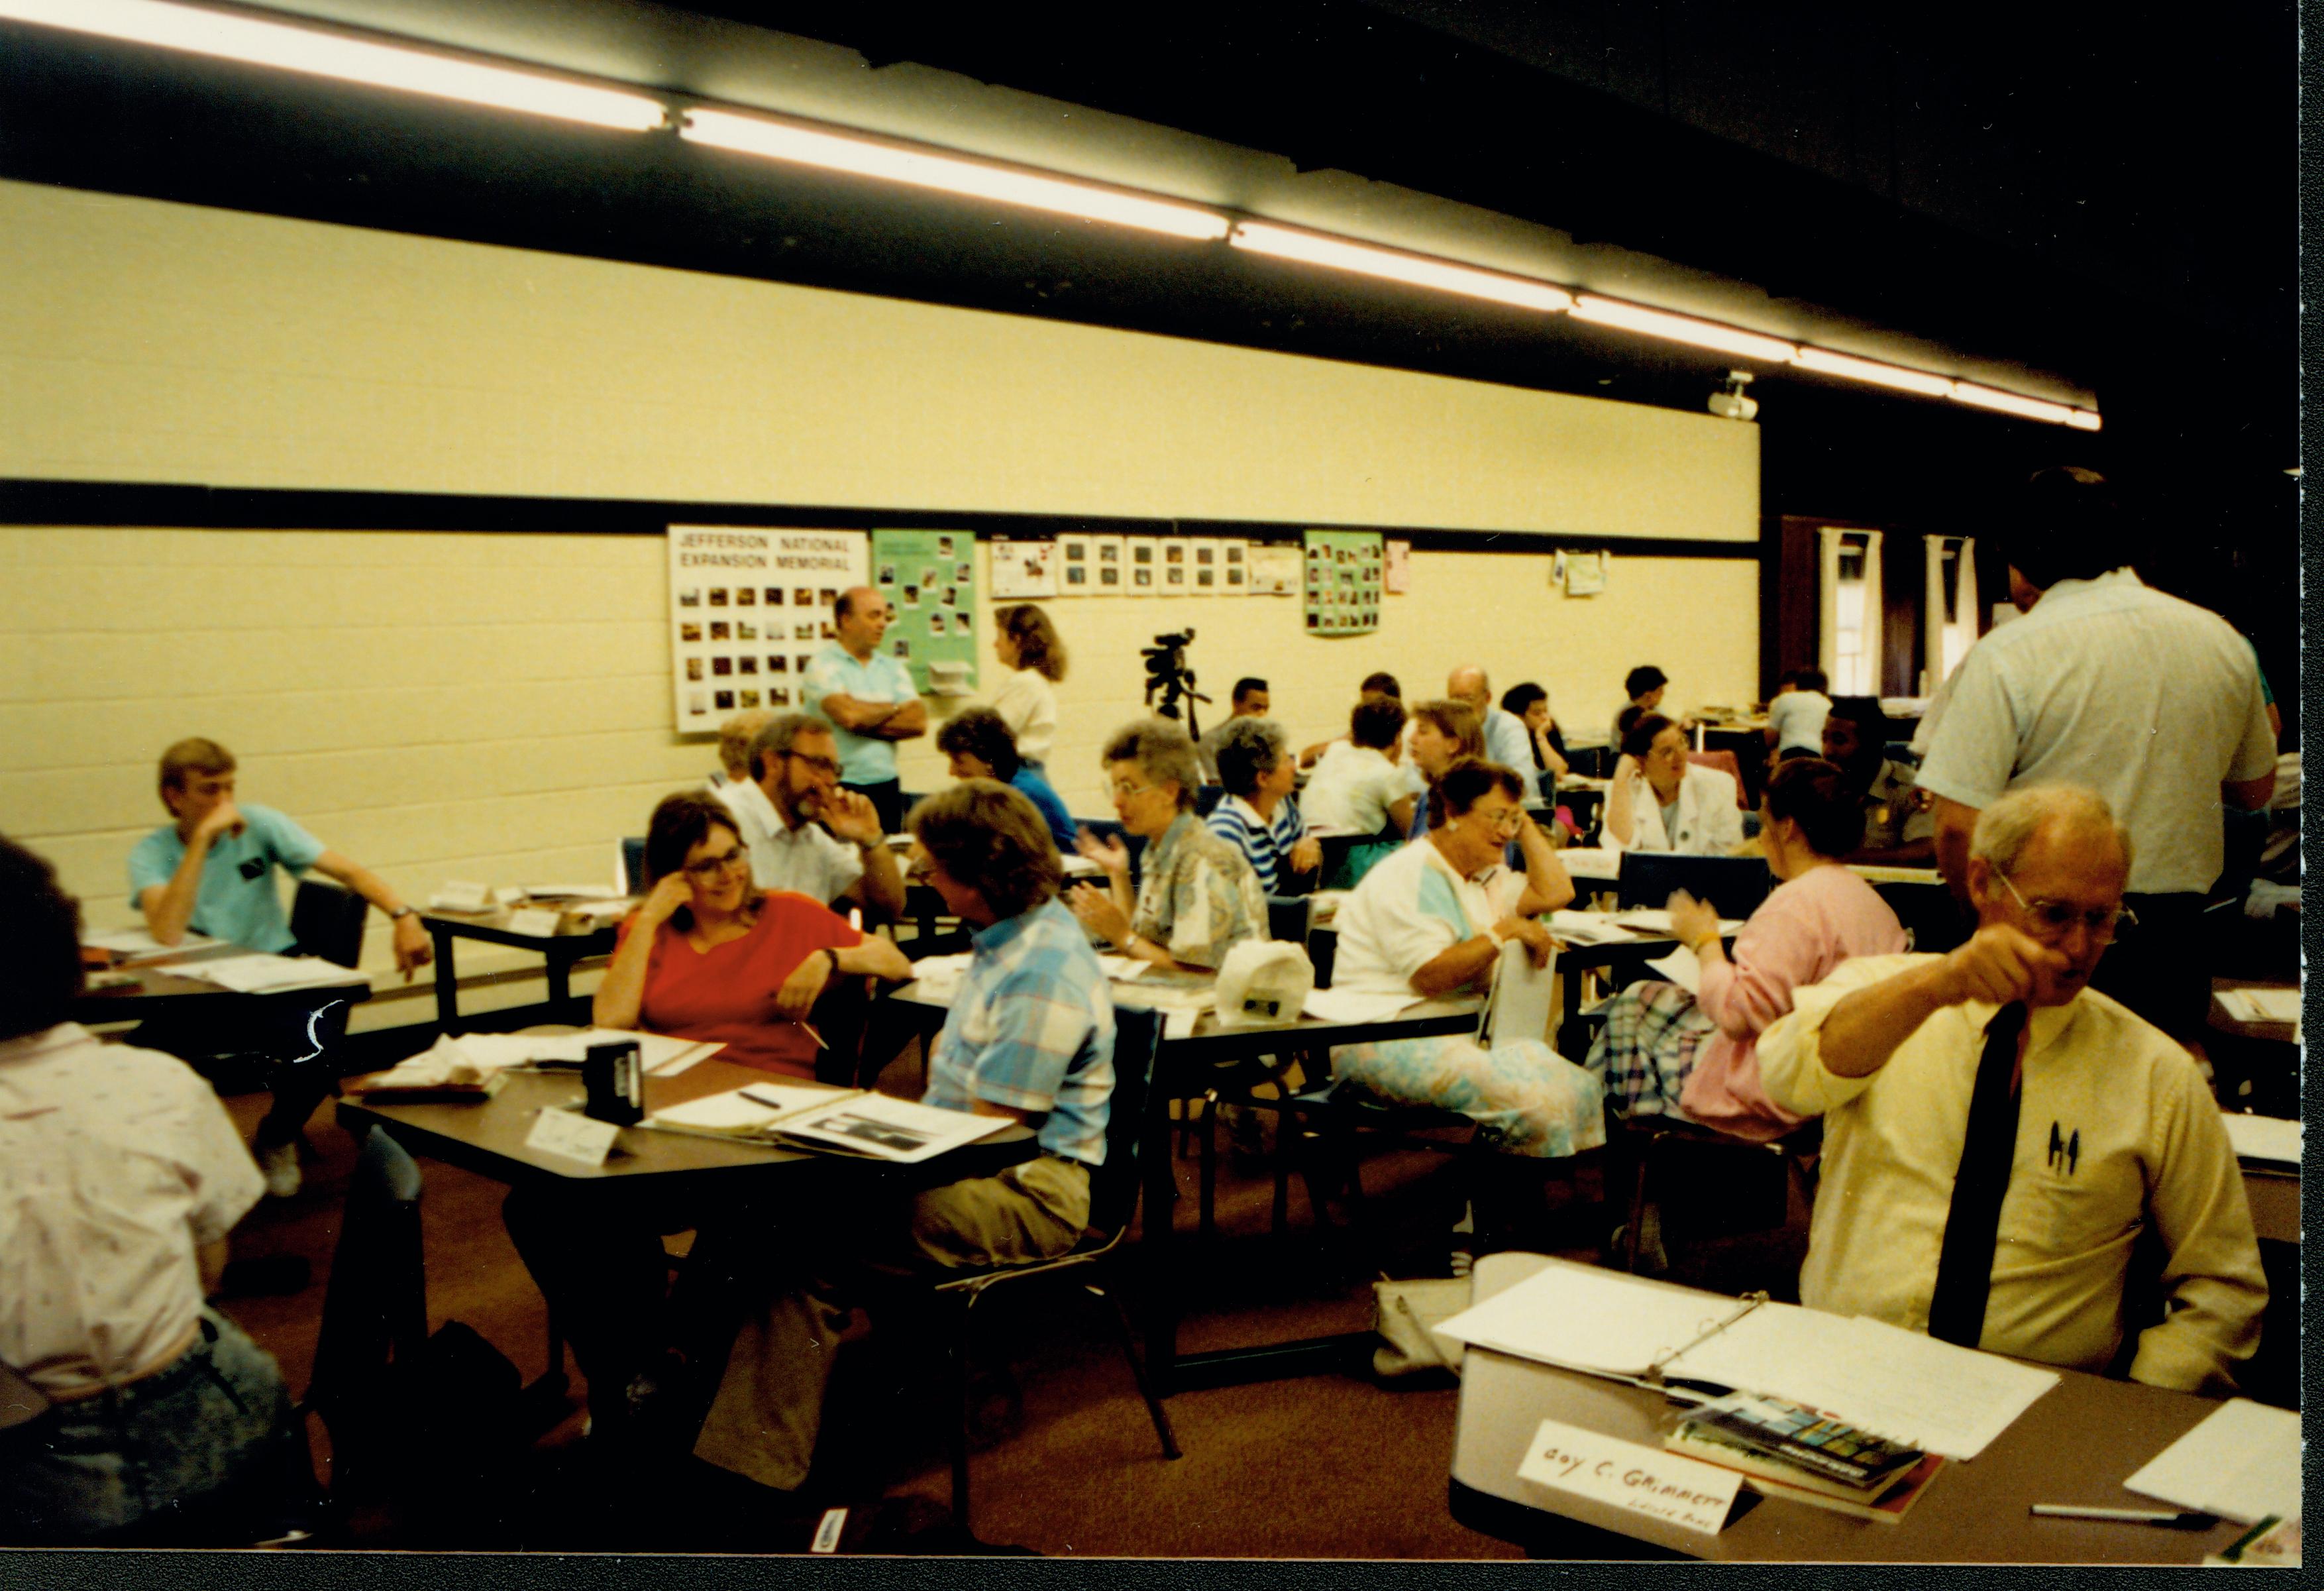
(1660, 802)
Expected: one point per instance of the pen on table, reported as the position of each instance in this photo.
(2170, 1519)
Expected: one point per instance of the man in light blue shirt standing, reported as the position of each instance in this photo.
(1506, 740)
(869, 698)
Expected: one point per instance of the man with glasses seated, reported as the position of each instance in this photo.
(2000, 1138)
(794, 818)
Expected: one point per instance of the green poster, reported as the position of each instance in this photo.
(929, 580)
(1343, 584)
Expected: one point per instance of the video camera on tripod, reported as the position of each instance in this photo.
(1167, 673)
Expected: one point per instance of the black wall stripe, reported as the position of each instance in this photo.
(186, 507)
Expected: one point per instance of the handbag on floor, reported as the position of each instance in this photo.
(1405, 1314)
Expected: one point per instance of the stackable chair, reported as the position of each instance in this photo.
(1095, 1263)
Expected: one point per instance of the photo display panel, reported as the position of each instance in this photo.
(749, 608)
(1342, 582)
(929, 580)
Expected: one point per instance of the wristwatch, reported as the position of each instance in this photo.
(401, 912)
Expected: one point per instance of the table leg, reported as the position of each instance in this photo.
(447, 983)
(1157, 1245)
(561, 982)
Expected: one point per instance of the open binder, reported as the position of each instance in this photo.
(1896, 1383)
(856, 1121)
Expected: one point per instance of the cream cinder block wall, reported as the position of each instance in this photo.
(496, 705)
(144, 341)
(1696, 618)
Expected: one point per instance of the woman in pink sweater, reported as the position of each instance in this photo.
(1664, 1051)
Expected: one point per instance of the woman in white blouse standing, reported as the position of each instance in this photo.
(1029, 649)
(1660, 802)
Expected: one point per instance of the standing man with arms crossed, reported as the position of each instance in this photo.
(1998, 1136)
(871, 699)
(2151, 701)
(212, 871)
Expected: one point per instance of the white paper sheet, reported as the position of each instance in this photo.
(661, 1056)
(1681, 967)
(892, 1129)
(259, 973)
(2263, 1138)
(135, 943)
(1123, 969)
(2242, 1463)
(734, 1111)
(1899, 1383)
(2260, 1004)
(1353, 1005)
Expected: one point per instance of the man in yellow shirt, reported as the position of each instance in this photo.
(1998, 1135)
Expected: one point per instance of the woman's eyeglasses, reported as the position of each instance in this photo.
(703, 871)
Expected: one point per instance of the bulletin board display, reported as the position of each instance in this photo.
(1343, 582)
(929, 580)
(749, 606)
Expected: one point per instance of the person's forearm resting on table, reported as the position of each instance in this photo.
(1461, 965)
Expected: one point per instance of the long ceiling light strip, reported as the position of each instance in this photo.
(235, 37)
(1315, 248)
(788, 141)
(1683, 328)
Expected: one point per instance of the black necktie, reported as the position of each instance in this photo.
(1965, 1263)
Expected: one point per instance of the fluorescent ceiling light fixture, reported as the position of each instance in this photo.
(788, 140)
(1683, 328)
(233, 36)
(1877, 373)
(1420, 270)
(1966, 392)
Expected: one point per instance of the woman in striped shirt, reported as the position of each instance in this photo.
(1259, 817)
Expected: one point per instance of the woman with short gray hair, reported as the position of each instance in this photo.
(1260, 816)
(1197, 897)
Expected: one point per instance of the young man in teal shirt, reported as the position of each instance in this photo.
(212, 872)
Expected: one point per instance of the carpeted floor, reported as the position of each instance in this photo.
(1064, 1461)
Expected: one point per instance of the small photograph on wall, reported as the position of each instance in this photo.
(779, 696)
(744, 630)
(1141, 576)
(1109, 556)
(937, 626)
(943, 546)
(690, 632)
(690, 598)
(828, 596)
(1395, 568)
(693, 668)
(774, 596)
(777, 665)
(903, 649)
(803, 632)
(721, 665)
(911, 597)
(803, 596)
(720, 630)
(718, 596)
(746, 665)
(747, 698)
(804, 662)
(697, 701)
(746, 596)
(724, 700)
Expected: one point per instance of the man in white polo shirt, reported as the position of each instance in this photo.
(803, 833)
(869, 698)
(2153, 702)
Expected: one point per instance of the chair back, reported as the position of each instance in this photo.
(1724, 760)
(1735, 885)
(1928, 912)
(328, 921)
(375, 1307)
(634, 864)
(1287, 918)
(1113, 1190)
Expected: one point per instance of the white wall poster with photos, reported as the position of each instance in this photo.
(1023, 569)
(749, 606)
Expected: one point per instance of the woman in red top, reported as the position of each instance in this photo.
(709, 956)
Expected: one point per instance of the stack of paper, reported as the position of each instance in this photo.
(2242, 1463)
(846, 1119)
(2260, 1004)
(2263, 1138)
(259, 973)
(1897, 1384)
(1353, 1005)
(471, 1058)
(135, 944)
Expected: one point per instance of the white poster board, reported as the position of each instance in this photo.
(749, 606)
(1023, 569)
